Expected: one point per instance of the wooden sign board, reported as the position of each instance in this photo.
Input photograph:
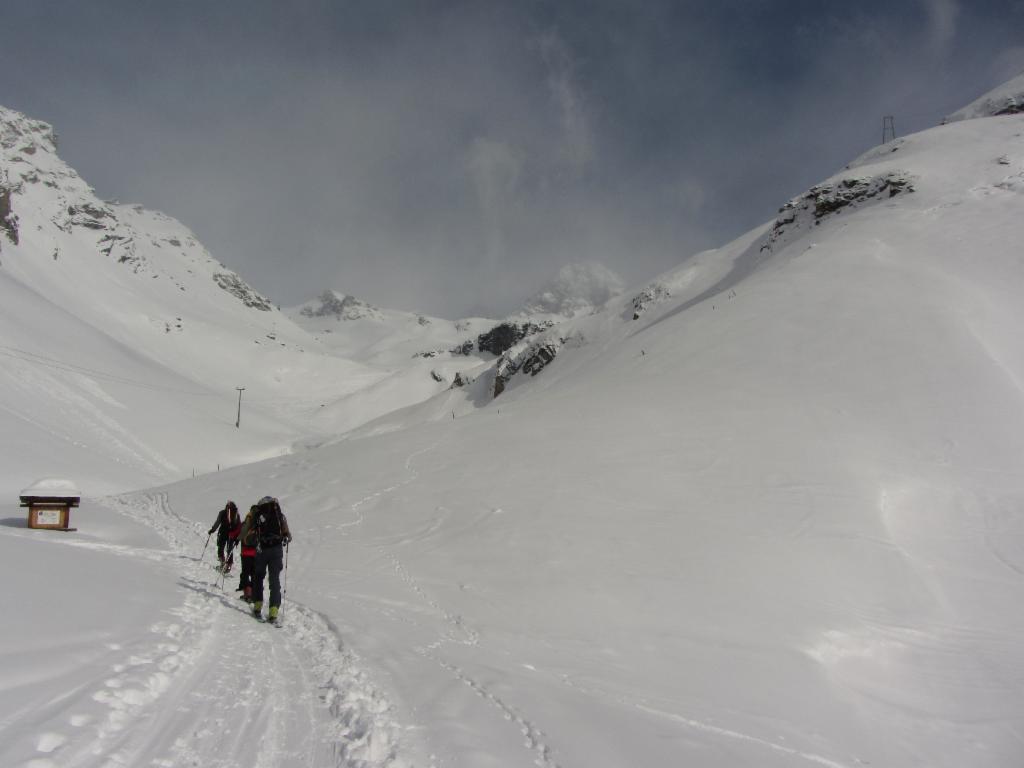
(52, 513)
(55, 517)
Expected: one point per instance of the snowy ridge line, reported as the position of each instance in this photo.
(361, 729)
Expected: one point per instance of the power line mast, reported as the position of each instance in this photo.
(888, 129)
(238, 421)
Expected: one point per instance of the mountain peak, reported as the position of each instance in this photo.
(578, 289)
(339, 305)
(25, 134)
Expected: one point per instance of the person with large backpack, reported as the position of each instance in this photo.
(227, 526)
(272, 535)
(248, 541)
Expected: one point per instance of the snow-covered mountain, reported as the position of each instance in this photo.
(389, 338)
(424, 355)
(764, 510)
(124, 340)
(156, 335)
(1006, 99)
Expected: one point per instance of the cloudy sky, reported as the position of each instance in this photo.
(448, 157)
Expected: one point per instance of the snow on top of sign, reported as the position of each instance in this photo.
(51, 486)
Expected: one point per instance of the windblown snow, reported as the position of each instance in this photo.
(764, 510)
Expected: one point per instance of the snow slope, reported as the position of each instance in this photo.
(764, 511)
(1005, 99)
(173, 671)
(123, 340)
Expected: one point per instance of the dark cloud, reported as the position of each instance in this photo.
(443, 156)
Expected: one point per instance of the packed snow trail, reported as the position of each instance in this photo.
(197, 683)
(310, 684)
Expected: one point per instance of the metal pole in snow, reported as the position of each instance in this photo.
(238, 421)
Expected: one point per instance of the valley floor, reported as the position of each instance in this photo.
(122, 648)
(135, 652)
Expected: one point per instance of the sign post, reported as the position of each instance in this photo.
(49, 503)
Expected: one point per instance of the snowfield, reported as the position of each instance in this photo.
(767, 510)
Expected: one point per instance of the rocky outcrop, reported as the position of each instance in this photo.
(652, 294)
(69, 220)
(342, 307)
(466, 348)
(237, 287)
(530, 358)
(504, 336)
(122, 245)
(25, 135)
(801, 214)
(8, 219)
(500, 338)
(1012, 108)
(90, 216)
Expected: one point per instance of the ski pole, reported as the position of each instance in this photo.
(205, 546)
(284, 590)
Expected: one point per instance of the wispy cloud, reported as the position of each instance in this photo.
(577, 140)
(942, 22)
(496, 168)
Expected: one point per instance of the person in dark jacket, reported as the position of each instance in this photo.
(227, 522)
(272, 535)
(247, 540)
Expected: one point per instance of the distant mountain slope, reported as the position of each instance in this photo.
(357, 330)
(155, 337)
(1005, 99)
(922, 183)
(125, 340)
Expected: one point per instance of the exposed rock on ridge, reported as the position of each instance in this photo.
(801, 213)
(341, 307)
(59, 198)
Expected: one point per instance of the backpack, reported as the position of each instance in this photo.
(268, 522)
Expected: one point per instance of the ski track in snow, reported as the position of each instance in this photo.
(534, 739)
(458, 632)
(215, 688)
